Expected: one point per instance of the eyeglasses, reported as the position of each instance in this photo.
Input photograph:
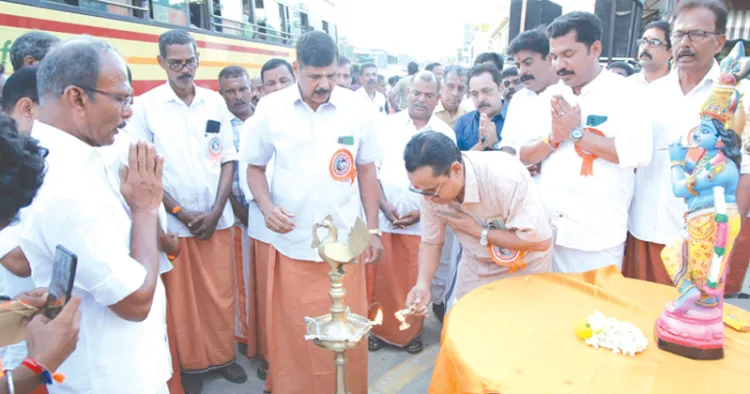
(692, 35)
(123, 101)
(190, 64)
(426, 193)
(653, 42)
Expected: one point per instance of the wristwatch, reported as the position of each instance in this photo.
(483, 238)
(496, 146)
(376, 231)
(576, 134)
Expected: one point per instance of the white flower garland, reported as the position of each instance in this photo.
(620, 337)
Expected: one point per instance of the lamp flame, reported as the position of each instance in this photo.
(401, 316)
(378, 318)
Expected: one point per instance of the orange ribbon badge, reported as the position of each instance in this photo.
(587, 167)
(342, 166)
(509, 258)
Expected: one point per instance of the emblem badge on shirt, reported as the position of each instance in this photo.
(215, 148)
(512, 259)
(342, 166)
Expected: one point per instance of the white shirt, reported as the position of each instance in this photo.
(256, 223)
(377, 102)
(191, 169)
(590, 213)
(656, 214)
(522, 119)
(10, 284)
(304, 143)
(79, 206)
(395, 133)
(639, 78)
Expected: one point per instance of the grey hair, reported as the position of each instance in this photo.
(34, 43)
(426, 76)
(73, 62)
(461, 71)
(175, 37)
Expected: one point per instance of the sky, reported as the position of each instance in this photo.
(423, 29)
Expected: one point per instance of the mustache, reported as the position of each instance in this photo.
(236, 103)
(483, 104)
(686, 52)
(185, 76)
(420, 105)
(646, 54)
(526, 77)
(122, 125)
(564, 72)
(322, 91)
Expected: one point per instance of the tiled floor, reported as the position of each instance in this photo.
(391, 371)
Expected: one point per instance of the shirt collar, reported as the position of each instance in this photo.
(439, 108)
(713, 75)
(597, 83)
(471, 186)
(168, 94)
(61, 143)
(501, 115)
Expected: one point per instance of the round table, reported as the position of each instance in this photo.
(516, 335)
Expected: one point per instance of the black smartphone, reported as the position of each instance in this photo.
(61, 284)
(213, 127)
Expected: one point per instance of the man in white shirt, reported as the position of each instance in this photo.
(530, 51)
(656, 214)
(368, 73)
(344, 73)
(112, 228)
(192, 128)
(234, 87)
(590, 151)
(323, 141)
(654, 52)
(276, 74)
(392, 278)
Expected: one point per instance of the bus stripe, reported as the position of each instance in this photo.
(24, 22)
(205, 63)
(142, 86)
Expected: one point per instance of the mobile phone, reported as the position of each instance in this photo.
(213, 127)
(61, 284)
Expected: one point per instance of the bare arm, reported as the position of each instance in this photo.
(225, 187)
(239, 210)
(601, 146)
(370, 191)
(15, 262)
(534, 152)
(256, 180)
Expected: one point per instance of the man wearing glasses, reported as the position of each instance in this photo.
(656, 215)
(654, 52)
(192, 127)
(491, 204)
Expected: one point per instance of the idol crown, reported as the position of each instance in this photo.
(725, 98)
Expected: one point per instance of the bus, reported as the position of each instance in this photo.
(245, 33)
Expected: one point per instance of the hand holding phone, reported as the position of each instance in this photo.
(61, 284)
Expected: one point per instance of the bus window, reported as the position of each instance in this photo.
(298, 22)
(170, 11)
(269, 18)
(325, 27)
(135, 8)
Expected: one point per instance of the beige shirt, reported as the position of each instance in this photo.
(442, 114)
(497, 186)
(402, 90)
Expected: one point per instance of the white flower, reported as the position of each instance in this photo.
(620, 337)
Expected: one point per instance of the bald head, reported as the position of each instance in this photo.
(424, 95)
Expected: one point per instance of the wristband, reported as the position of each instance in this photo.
(44, 374)
(176, 210)
(547, 141)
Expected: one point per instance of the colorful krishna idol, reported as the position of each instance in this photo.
(692, 325)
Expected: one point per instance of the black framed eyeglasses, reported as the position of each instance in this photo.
(123, 101)
(190, 64)
(426, 193)
(653, 42)
(692, 35)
